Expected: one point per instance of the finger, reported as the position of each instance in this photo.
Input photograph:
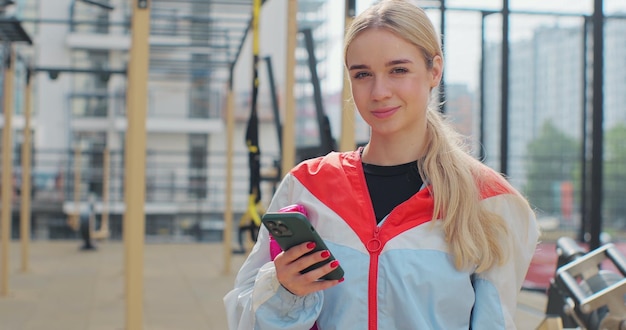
(288, 269)
(307, 261)
(323, 285)
(317, 274)
(315, 286)
(292, 279)
(298, 251)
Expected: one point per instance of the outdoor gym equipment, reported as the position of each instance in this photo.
(582, 294)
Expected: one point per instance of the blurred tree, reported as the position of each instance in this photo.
(552, 159)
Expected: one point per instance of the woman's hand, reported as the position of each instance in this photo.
(289, 264)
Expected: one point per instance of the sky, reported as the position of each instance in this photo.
(462, 40)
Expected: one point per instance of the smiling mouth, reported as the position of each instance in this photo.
(384, 113)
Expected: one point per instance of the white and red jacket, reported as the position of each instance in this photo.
(398, 274)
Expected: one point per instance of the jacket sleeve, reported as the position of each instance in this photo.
(497, 289)
(258, 301)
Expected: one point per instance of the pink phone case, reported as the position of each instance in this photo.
(274, 247)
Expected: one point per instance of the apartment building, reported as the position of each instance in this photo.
(80, 54)
(546, 83)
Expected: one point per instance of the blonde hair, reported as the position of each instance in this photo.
(475, 236)
(401, 18)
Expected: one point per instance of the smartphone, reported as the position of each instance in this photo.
(292, 228)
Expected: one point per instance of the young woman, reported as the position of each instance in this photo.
(428, 237)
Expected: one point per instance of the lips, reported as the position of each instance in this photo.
(385, 112)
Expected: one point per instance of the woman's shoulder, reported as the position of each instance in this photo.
(329, 162)
(490, 182)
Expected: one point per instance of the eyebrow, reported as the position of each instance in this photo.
(390, 63)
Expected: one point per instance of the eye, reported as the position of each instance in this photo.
(361, 75)
(399, 70)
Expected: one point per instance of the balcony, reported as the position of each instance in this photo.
(91, 111)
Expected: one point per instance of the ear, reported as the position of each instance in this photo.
(436, 71)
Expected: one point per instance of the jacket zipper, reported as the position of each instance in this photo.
(374, 246)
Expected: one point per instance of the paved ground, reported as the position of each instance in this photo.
(67, 289)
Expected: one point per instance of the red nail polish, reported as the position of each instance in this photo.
(334, 264)
(310, 245)
(341, 280)
(325, 254)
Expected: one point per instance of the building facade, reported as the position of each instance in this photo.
(79, 56)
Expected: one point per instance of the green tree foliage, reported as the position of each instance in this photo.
(552, 159)
(615, 176)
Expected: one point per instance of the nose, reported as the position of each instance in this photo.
(380, 89)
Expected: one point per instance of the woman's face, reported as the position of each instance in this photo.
(391, 83)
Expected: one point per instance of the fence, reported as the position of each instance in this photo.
(179, 192)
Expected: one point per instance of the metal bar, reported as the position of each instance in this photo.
(72, 11)
(504, 99)
(289, 156)
(442, 84)
(99, 4)
(201, 19)
(199, 48)
(275, 107)
(595, 227)
(584, 180)
(79, 70)
(243, 40)
(515, 12)
(523, 12)
(71, 21)
(326, 143)
(617, 258)
(347, 140)
(228, 211)
(189, 64)
(481, 131)
(13, 31)
(210, 2)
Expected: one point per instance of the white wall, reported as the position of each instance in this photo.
(168, 99)
(51, 99)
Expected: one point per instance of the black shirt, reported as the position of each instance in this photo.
(389, 186)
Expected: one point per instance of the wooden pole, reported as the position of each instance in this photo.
(228, 210)
(26, 170)
(7, 171)
(346, 138)
(135, 162)
(289, 157)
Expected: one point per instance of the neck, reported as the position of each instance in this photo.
(386, 151)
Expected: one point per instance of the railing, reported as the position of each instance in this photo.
(169, 177)
(89, 18)
(200, 192)
(93, 104)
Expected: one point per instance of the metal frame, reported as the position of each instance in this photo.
(595, 171)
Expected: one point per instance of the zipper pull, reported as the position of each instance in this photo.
(374, 245)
